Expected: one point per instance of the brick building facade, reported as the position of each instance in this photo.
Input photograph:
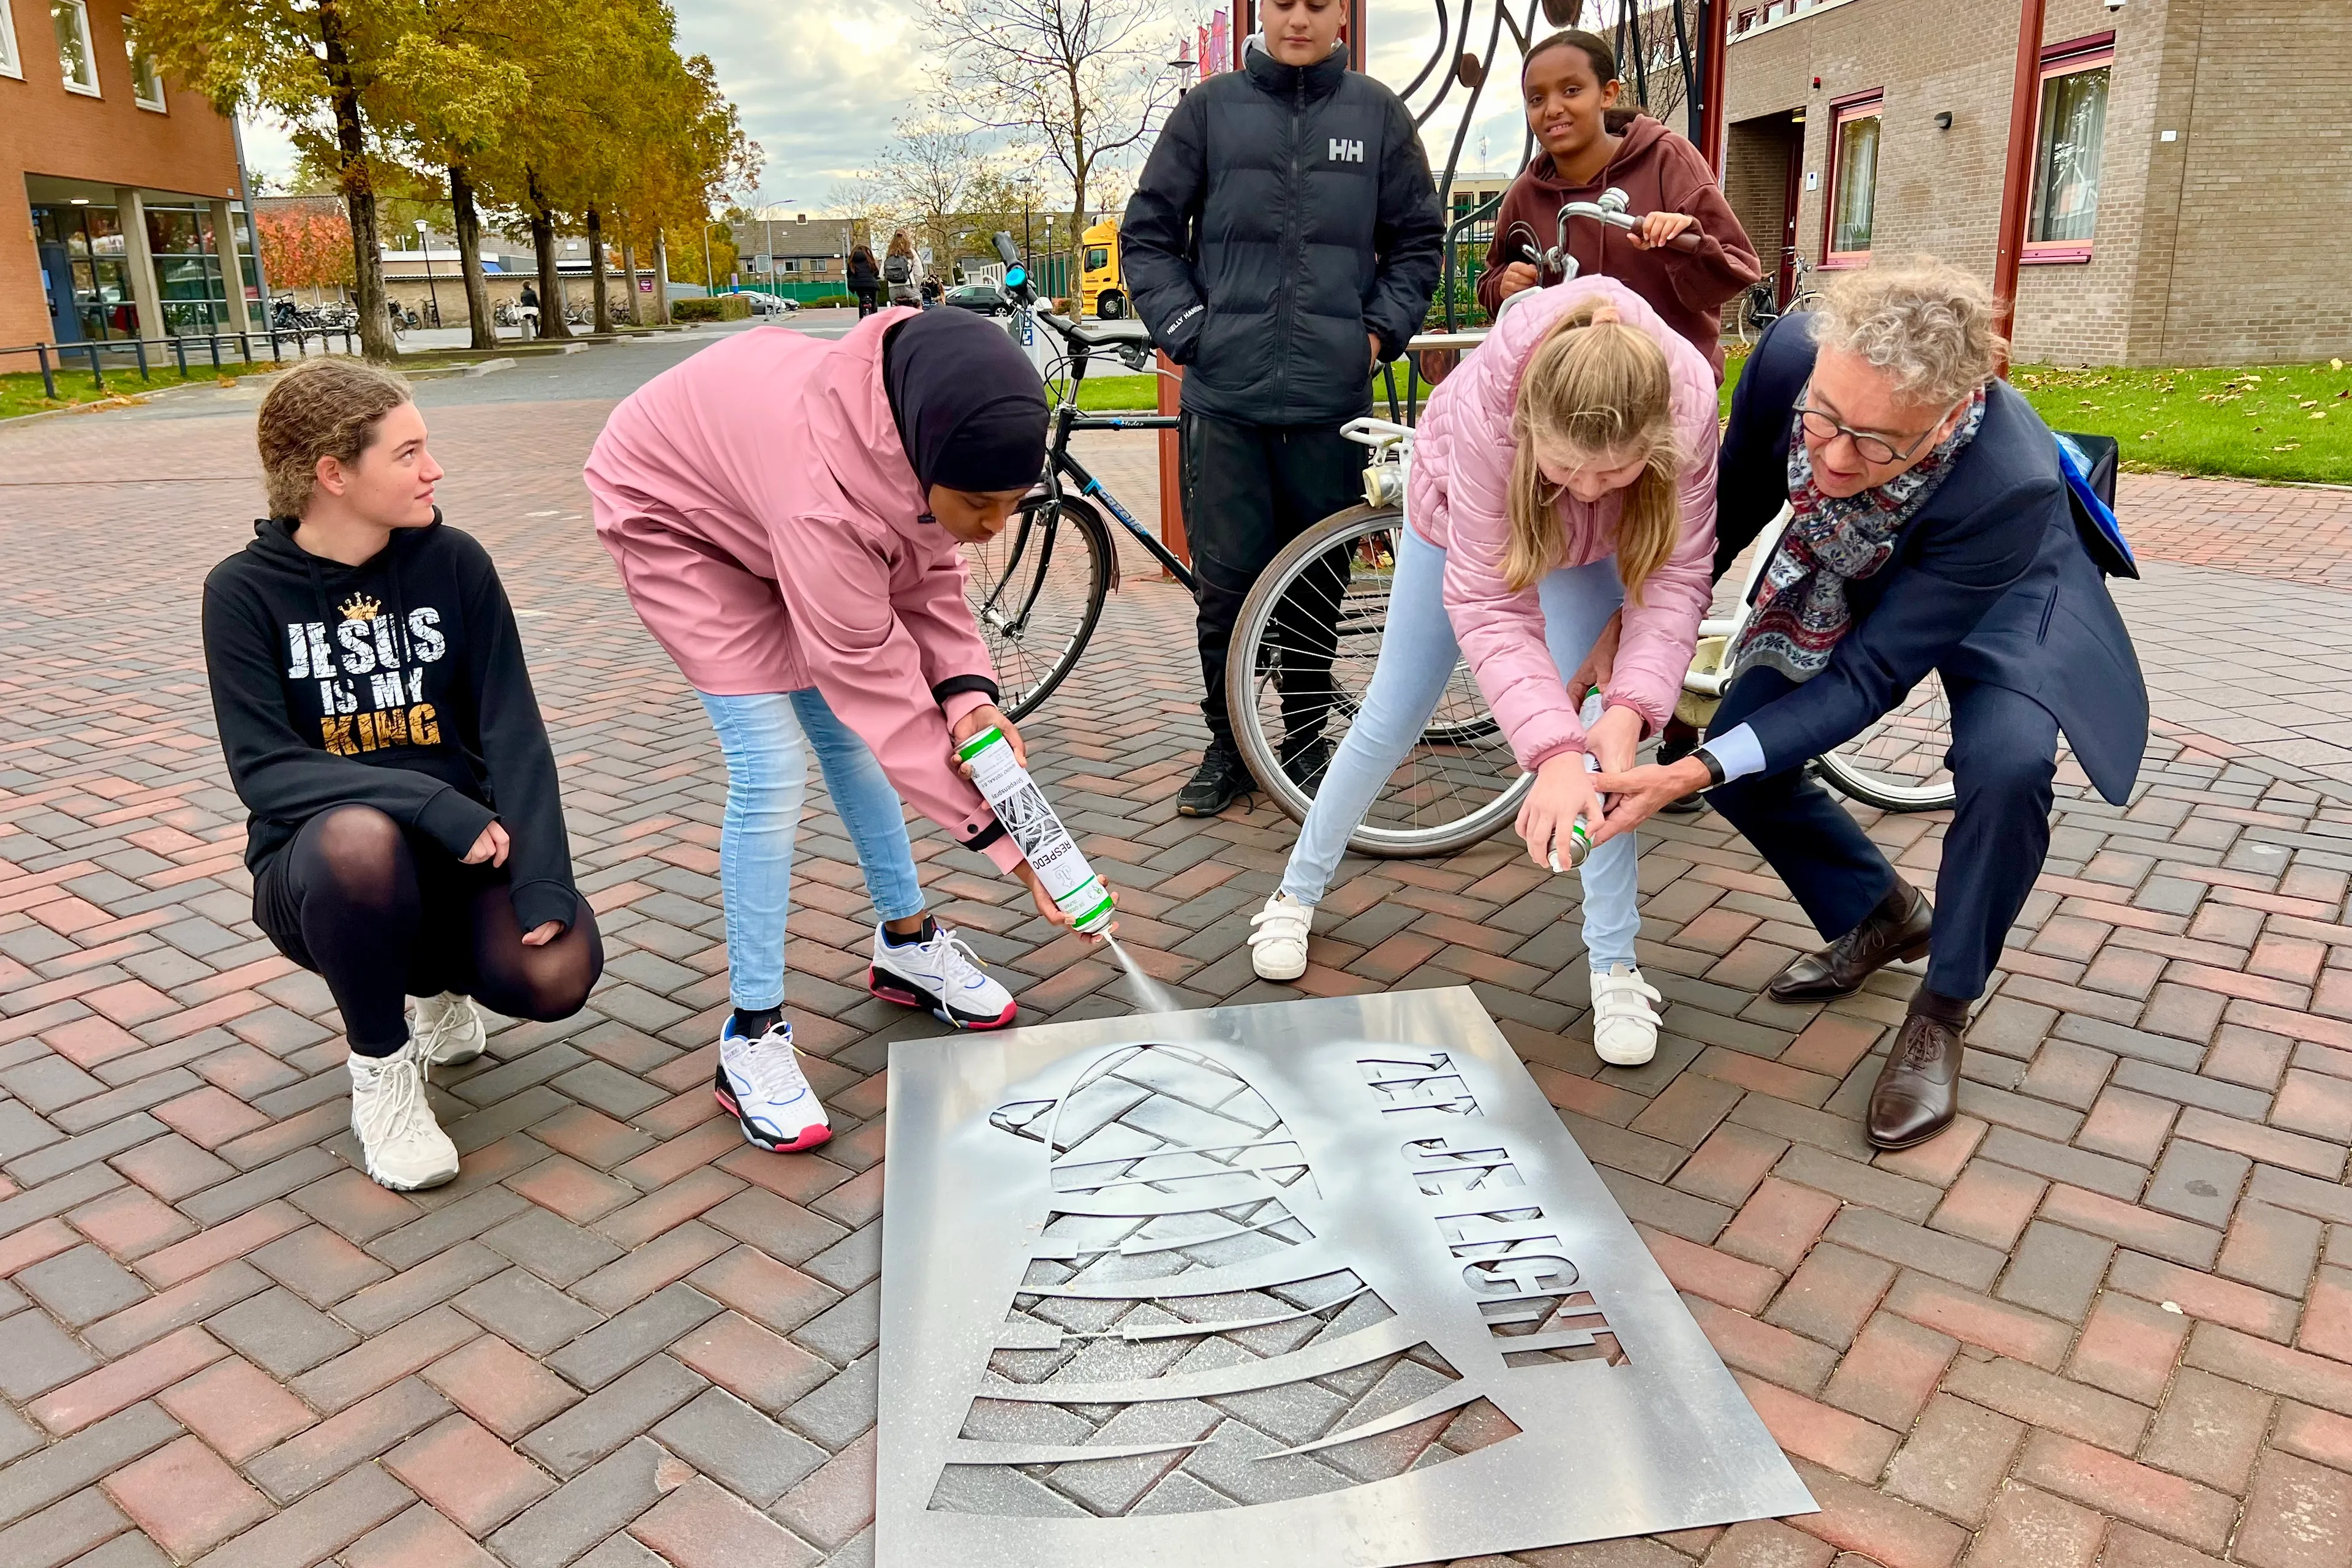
(128, 214)
(2193, 168)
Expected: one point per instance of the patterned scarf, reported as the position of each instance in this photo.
(1800, 600)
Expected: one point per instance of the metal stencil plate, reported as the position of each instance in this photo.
(1312, 1282)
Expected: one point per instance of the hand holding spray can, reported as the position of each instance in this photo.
(1580, 841)
(1024, 810)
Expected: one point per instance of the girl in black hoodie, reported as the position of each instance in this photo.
(406, 837)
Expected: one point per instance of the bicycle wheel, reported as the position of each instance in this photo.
(1756, 313)
(1326, 597)
(1900, 763)
(1036, 590)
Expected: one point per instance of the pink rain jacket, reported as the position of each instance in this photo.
(762, 512)
(1456, 500)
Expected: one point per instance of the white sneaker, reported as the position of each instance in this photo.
(942, 976)
(447, 1030)
(1277, 939)
(761, 1084)
(404, 1146)
(1624, 1019)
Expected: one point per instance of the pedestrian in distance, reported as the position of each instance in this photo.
(865, 282)
(1283, 241)
(1934, 531)
(902, 270)
(787, 512)
(406, 837)
(1567, 469)
(1587, 145)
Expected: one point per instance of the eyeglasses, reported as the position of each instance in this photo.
(1872, 449)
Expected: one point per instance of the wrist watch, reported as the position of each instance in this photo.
(1714, 768)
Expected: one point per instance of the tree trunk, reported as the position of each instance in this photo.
(661, 278)
(629, 265)
(484, 328)
(376, 340)
(603, 317)
(551, 323)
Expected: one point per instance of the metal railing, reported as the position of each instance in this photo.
(94, 352)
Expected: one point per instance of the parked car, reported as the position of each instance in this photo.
(768, 305)
(986, 298)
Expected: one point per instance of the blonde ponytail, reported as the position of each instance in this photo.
(1595, 389)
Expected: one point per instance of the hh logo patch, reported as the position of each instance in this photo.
(1343, 152)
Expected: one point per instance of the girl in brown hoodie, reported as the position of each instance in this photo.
(1571, 87)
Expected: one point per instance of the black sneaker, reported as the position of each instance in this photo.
(1220, 780)
(1673, 749)
(1306, 762)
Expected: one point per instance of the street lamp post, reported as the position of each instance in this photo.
(424, 244)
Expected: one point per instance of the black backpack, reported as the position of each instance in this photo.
(898, 268)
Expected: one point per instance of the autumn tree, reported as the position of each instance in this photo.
(931, 172)
(305, 244)
(451, 89)
(1080, 81)
(310, 63)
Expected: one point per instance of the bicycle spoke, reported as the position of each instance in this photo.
(1904, 755)
(1332, 614)
(1034, 590)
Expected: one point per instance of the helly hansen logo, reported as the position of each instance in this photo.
(1345, 151)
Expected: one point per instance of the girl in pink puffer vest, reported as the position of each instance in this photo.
(1566, 470)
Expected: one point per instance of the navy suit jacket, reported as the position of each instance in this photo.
(1988, 581)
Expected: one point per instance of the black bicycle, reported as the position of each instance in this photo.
(1037, 589)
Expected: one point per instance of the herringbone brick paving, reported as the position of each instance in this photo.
(2108, 1318)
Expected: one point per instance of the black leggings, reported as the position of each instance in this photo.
(382, 916)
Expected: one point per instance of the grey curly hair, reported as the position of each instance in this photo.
(1925, 322)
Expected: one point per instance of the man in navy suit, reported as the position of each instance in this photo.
(1933, 531)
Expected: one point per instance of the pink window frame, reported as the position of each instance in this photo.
(2062, 59)
(1860, 106)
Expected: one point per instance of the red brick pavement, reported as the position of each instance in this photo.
(2301, 533)
(2108, 1318)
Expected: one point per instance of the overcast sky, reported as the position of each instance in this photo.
(819, 86)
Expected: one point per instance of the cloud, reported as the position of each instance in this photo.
(818, 86)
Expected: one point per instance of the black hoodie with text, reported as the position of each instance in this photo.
(398, 683)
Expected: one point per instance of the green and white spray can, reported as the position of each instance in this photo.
(1580, 841)
(1026, 815)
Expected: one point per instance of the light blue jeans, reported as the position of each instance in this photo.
(1418, 653)
(766, 740)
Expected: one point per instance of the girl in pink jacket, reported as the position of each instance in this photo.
(786, 513)
(1565, 471)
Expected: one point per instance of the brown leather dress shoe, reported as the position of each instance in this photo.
(1918, 1090)
(1839, 969)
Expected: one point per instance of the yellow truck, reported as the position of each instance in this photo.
(1100, 294)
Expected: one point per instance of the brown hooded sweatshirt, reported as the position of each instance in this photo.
(1656, 169)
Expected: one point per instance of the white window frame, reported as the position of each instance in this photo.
(80, 9)
(9, 64)
(131, 54)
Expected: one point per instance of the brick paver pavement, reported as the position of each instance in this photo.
(2107, 1318)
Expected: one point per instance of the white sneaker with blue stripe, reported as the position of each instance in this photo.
(760, 1083)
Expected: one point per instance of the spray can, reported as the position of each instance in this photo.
(1580, 841)
(1022, 808)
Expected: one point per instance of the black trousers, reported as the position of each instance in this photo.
(1249, 489)
(2003, 757)
(383, 915)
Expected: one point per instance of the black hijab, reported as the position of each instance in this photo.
(970, 407)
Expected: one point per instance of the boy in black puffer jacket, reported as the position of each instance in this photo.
(1283, 239)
